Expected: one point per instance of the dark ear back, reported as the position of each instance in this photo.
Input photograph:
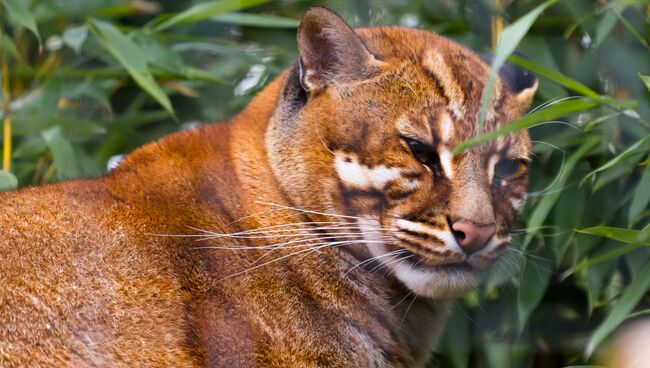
(330, 51)
(520, 82)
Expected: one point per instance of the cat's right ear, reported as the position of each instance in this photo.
(330, 51)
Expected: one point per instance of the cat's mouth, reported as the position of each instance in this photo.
(417, 261)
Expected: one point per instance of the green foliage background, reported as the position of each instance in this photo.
(85, 81)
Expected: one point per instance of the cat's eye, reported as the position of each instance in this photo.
(507, 167)
(426, 154)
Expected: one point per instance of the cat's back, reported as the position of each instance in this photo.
(76, 270)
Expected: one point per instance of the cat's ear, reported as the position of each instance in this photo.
(330, 51)
(521, 82)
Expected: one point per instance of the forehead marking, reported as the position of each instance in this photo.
(446, 129)
(436, 65)
(352, 173)
(491, 163)
(445, 161)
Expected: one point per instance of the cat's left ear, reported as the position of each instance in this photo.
(330, 51)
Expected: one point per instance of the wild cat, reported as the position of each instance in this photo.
(333, 221)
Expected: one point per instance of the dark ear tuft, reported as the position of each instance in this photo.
(520, 82)
(515, 78)
(330, 51)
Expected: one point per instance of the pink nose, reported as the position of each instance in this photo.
(471, 236)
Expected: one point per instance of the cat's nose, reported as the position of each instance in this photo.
(471, 236)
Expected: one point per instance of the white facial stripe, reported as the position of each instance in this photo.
(445, 161)
(354, 174)
(446, 129)
(518, 203)
(491, 163)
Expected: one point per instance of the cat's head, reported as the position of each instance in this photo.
(365, 128)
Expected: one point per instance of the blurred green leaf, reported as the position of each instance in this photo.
(646, 81)
(534, 283)
(7, 44)
(551, 112)
(7, 181)
(641, 197)
(456, 339)
(637, 148)
(257, 20)
(605, 27)
(206, 10)
(18, 12)
(130, 57)
(629, 299)
(508, 41)
(62, 154)
(623, 235)
(543, 208)
(75, 37)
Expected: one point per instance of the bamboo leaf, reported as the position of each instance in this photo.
(62, 154)
(7, 181)
(555, 76)
(202, 11)
(534, 282)
(552, 112)
(75, 37)
(19, 13)
(257, 20)
(543, 208)
(630, 298)
(508, 41)
(641, 197)
(638, 147)
(129, 55)
(646, 80)
(628, 236)
(605, 27)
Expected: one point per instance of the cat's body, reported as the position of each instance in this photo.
(96, 272)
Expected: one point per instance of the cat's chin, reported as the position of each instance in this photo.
(446, 282)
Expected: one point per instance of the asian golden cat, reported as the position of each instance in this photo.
(290, 236)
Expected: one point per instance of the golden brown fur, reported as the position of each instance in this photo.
(96, 272)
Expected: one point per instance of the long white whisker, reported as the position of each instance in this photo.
(309, 211)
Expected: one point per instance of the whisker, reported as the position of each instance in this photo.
(309, 211)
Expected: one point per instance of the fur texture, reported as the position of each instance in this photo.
(305, 232)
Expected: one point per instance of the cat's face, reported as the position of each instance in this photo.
(376, 139)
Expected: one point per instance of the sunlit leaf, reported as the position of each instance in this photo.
(129, 55)
(629, 299)
(202, 11)
(629, 236)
